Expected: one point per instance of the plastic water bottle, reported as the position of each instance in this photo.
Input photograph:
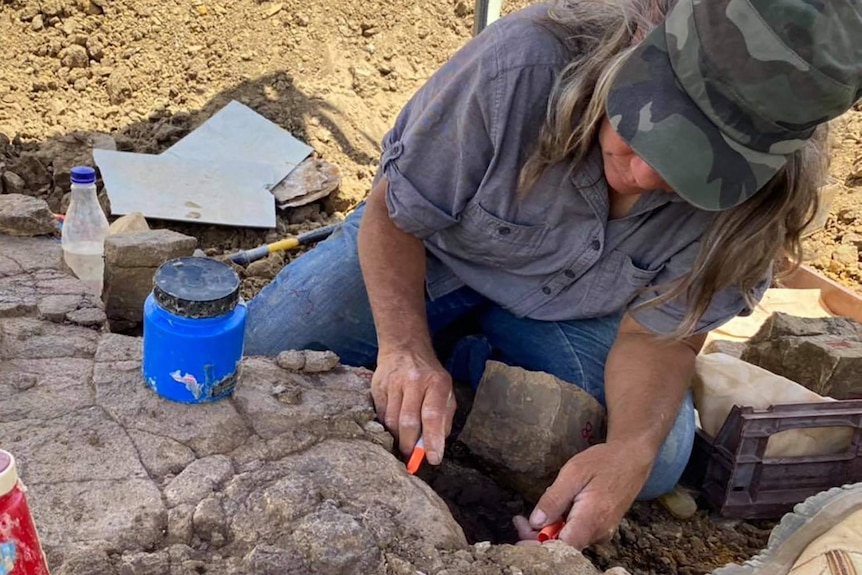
(84, 230)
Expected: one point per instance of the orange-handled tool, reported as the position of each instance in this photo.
(551, 532)
(416, 457)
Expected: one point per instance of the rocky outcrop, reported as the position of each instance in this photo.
(290, 475)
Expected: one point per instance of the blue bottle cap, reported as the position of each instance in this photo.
(196, 287)
(83, 175)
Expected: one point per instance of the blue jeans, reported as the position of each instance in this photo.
(319, 302)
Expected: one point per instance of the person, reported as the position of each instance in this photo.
(586, 188)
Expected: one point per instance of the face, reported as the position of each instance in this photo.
(625, 171)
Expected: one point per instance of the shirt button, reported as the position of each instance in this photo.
(504, 231)
(596, 244)
(546, 290)
(569, 273)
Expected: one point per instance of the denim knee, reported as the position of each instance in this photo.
(673, 455)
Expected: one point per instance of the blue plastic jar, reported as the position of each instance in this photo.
(194, 326)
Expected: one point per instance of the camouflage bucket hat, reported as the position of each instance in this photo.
(719, 95)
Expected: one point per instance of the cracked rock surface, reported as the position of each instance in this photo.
(289, 476)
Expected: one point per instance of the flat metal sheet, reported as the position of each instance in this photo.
(165, 187)
(221, 173)
(238, 133)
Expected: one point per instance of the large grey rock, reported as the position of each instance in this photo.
(291, 475)
(22, 215)
(151, 248)
(528, 424)
(131, 261)
(823, 354)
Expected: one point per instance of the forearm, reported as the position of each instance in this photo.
(645, 382)
(393, 267)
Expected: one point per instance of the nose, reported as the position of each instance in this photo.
(645, 176)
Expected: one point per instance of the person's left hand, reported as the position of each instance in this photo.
(599, 484)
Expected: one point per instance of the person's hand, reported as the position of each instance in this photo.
(599, 484)
(413, 396)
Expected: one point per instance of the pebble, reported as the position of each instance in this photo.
(291, 359)
(320, 361)
(13, 183)
(679, 503)
(75, 56)
(846, 255)
(38, 23)
(273, 10)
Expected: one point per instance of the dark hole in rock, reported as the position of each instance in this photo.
(649, 541)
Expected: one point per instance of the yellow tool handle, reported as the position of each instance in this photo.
(285, 244)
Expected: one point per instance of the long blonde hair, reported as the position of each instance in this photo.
(741, 244)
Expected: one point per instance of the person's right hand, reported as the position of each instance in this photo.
(413, 397)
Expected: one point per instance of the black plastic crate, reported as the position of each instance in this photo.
(738, 481)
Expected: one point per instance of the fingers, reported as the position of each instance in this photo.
(436, 419)
(559, 496)
(409, 422)
(584, 525)
(525, 531)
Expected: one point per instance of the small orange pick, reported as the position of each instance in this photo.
(551, 532)
(416, 457)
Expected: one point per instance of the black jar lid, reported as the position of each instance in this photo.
(196, 287)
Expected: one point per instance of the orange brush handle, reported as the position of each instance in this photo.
(416, 457)
(551, 532)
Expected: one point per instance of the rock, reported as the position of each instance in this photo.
(75, 56)
(161, 456)
(144, 563)
(180, 524)
(130, 223)
(308, 361)
(319, 361)
(37, 24)
(25, 216)
(55, 307)
(89, 317)
(131, 261)
(356, 553)
(95, 48)
(150, 248)
(823, 354)
(209, 522)
(463, 9)
(198, 480)
(273, 10)
(32, 169)
(266, 268)
(13, 183)
(86, 562)
(69, 150)
(679, 503)
(727, 347)
(118, 87)
(847, 255)
(526, 425)
(262, 485)
(291, 359)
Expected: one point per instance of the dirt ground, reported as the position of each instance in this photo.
(335, 74)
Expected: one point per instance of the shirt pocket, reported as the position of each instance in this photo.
(615, 283)
(484, 238)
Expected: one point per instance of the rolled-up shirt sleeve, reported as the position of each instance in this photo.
(666, 317)
(441, 146)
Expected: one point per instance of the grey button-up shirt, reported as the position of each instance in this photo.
(453, 160)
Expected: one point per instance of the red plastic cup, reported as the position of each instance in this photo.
(20, 551)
